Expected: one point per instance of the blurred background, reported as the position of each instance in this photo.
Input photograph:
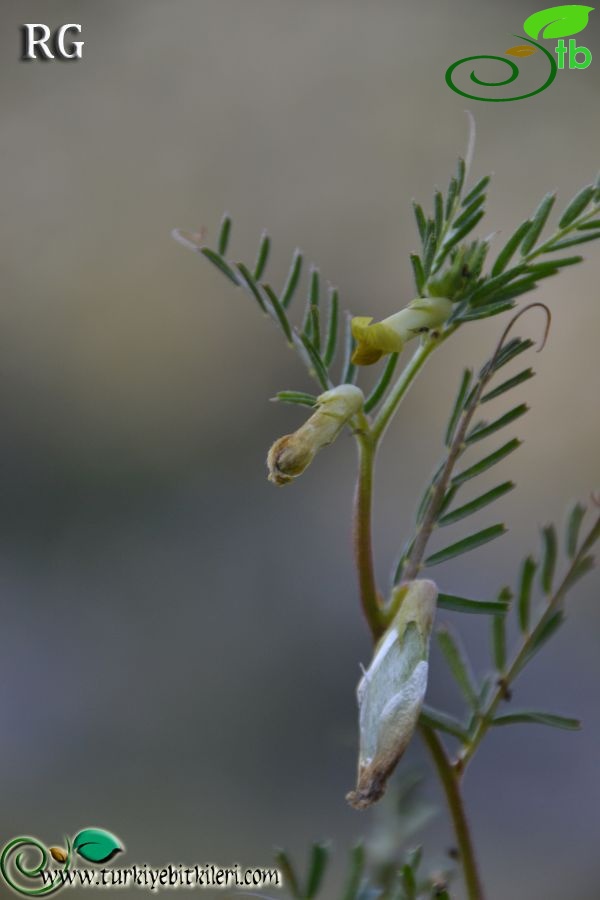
(180, 641)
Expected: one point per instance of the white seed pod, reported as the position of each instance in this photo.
(392, 690)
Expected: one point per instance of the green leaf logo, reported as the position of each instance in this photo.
(96, 845)
(557, 21)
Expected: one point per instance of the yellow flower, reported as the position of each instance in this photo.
(291, 454)
(390, 335)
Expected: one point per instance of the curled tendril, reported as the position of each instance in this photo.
(18, 845)
(514, 319)
(489, 366)
(514, 73)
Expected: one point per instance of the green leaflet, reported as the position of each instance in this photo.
(289, 288)
(576, 517)
(550, 552)
(479, 607)
(475, 505)
(459, 666)
(355, 874)
(525, 588)
(263, 256)
(224, 234)
(220, 263)
(298, 397)
(318, 862)
(441, 721)
(538, 718)
(538, 221)
(499, 631)
(382, 384)
(466, 544)
(459, 405)
(332, 328)
(577, 205)
(487, 462)
(288, 871)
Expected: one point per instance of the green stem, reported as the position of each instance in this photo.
(451, 784)
(406, 378)
(363, 549)
(368, 439)
(375, 614)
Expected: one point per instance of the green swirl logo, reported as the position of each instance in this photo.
(555, 22)
(25, 863)
(17, 872)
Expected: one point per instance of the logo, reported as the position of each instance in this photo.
(555, 22)
(31, 869)
(36, 37)
(94, 845)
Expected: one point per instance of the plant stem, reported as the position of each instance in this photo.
(375, 614)
(451, 784)
(405, 379)
(363, 549)
(368, 439)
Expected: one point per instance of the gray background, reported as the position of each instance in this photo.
(180, 640)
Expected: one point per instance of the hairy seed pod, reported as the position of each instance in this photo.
(391, 691)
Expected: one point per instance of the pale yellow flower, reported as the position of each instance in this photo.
(291, 454)
(390, 335)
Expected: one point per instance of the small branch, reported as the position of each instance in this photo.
(487, 714)
(451, 784)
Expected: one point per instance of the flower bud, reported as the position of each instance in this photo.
(291, 454)
(390, 335)
(391, 691)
